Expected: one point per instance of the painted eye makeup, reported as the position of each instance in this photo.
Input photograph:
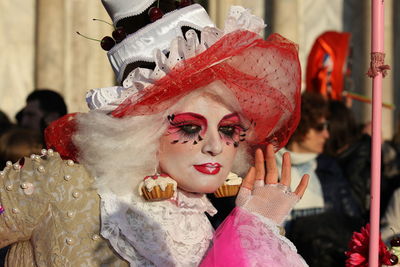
(227, 130)
(231, 128)
(186, 127)
(189, 130)
(231, 131)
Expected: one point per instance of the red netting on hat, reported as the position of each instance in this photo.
(264, 75)
(58, 136)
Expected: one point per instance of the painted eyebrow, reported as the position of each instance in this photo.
(200, 117)
(195, 115)
(229, 116)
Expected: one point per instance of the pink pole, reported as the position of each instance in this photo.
(376, 46)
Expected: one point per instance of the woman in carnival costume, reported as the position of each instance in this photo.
(158, 143)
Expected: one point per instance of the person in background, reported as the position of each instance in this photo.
(391, 218)
(320, 225)
(5, 122)
(391, 157)
(390, 167)
(17, 143)
(351, 147)
(43, 106)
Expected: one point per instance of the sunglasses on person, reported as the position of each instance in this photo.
(322, 126)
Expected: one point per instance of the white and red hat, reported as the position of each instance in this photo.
(264, 75)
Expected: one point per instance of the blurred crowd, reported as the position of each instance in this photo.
(25, 137)
(329, 144)
(335, 149)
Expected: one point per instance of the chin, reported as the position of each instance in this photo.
(199, 182)
(203, 189)
(210, 190)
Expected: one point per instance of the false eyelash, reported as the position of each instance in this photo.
(185, 135)
(241, 128)
(171, 117)
(238, 129)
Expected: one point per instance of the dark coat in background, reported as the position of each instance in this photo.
(322, 239)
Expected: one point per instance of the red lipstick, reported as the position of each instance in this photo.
(208, 168)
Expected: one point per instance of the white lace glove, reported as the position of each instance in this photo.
(261, 192)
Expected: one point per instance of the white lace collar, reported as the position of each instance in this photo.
(198, 202)
(173, 232)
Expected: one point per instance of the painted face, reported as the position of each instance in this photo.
(315, 138)
(200, 145)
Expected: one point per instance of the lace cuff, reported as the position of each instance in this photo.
(273, 201)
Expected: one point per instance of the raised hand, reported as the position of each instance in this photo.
(262, 193)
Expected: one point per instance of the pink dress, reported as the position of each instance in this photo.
(247, 239)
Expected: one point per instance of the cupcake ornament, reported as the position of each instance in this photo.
(157, 187)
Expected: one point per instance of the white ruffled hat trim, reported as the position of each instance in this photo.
(140, 45)
(108, 99)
